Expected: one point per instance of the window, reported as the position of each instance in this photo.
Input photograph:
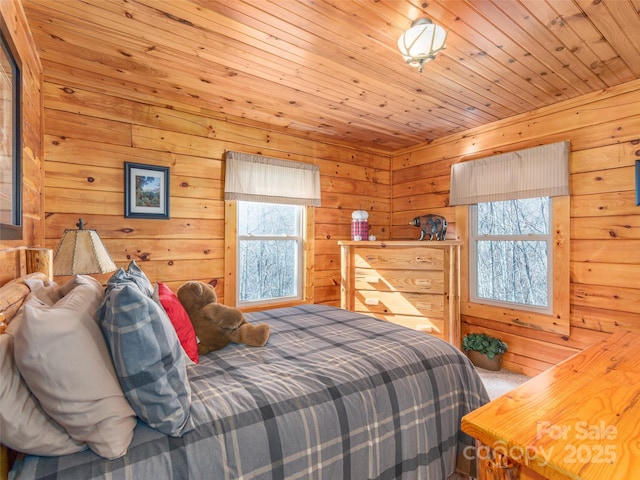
(269, 230)
(270, 252)
(511, 254)
(513, 208)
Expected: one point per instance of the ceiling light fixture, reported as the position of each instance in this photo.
(421, 42)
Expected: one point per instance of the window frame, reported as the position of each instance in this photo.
(556, 322)
(474, 238)
(299, 260)
(231, 259)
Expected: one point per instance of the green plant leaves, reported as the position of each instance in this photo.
(483, 343)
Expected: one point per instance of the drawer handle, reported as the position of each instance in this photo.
(423, 282)
(371, 258)
(371, 301)
(372, 279)
(425, 305)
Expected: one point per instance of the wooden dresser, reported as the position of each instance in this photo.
(413, 283)
(579, 420)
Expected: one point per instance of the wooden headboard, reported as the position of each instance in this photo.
(17, 262)
(16, 265)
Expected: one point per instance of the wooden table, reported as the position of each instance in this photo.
(577, 420)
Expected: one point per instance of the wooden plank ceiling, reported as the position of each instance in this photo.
(330, 69)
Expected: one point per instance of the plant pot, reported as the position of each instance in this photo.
(482, 361)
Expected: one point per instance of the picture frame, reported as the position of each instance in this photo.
(146, 191)
(10, 141)
(637, 182)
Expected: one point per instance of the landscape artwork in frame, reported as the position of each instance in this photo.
(146, 191)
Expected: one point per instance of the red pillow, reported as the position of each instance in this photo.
(180, 320)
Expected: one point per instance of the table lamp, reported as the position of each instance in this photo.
(81, 252)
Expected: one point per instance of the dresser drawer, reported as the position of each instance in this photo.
(399, 258)
(432, 325)
(397, 303)
(384, 280)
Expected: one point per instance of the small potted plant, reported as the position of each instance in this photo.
(484, 351)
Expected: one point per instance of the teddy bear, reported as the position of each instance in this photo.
(217, 325)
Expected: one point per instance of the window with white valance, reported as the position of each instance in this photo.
(255, 178)
(269, 230)
(534, 172)
(517, 224)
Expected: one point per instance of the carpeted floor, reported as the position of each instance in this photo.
(500, 382)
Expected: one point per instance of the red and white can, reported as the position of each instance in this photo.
(360, 225)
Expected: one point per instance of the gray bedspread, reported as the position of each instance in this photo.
(333, 395)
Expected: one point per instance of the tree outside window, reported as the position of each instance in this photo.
(511, 252)
(270, 252)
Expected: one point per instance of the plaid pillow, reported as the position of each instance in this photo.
(147, 357)
(137, 276)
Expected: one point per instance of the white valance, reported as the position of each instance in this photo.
(255, 178)
(534, 172)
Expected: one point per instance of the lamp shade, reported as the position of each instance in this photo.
(81, 252)
(421, 42)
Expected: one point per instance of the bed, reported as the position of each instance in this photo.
(334, 394)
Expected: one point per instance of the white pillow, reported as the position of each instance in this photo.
(63, 357)
(76, 280)
(46, 290)
(24, 426)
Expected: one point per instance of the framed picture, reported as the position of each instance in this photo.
(146, 191)
(10, 142)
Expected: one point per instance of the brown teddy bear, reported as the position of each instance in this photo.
(217, 325)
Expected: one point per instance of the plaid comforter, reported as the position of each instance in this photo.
(333, 395)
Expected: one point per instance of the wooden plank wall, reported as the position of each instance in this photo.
(14, 25)
(604, 131)
(90, 130)
(90, 133)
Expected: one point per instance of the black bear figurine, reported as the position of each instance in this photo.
(433, 226)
